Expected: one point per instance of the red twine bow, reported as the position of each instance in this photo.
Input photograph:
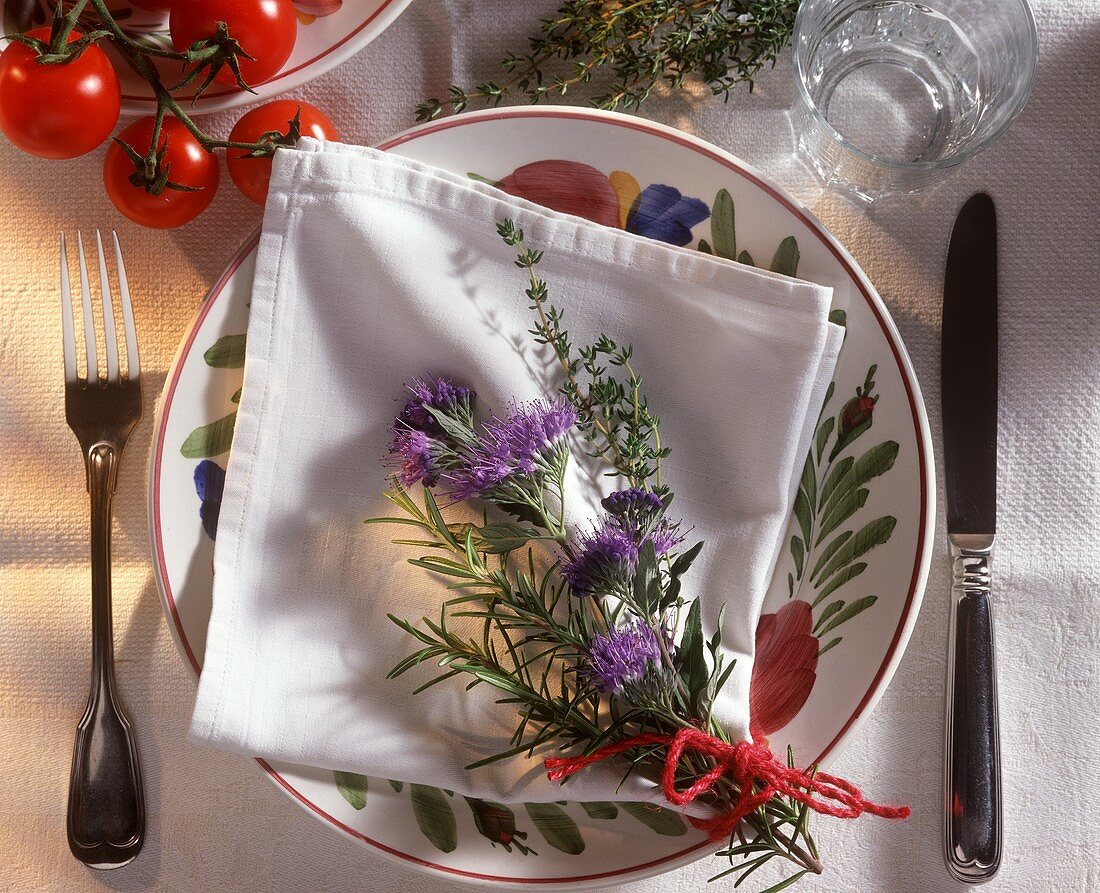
(745, 763)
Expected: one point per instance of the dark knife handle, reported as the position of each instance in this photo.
(972, 754)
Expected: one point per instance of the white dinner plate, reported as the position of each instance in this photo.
(848, 585)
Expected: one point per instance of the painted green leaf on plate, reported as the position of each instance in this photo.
(722, 228)
(226, 353)
(397, 785)
(434, 816)
(657, 818)
(210, 440)
(786, 257)
(560, 831)
(352, 787)
(600, 810)
(875, 533)
(849, 573)
(856, 607)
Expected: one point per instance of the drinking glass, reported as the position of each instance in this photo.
(892, 94)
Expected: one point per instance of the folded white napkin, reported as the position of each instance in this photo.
(373, 269)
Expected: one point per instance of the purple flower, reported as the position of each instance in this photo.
(415, 455)
(434, 393)
(603, 563)
(633, 502)
(621, 657)
(607, 556)
(517, 446)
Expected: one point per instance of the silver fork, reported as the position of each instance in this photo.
(106, 816)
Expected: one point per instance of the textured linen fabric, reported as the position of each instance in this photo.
(373, 268)
(217, 824)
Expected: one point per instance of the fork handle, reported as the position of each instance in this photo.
(972, 758)
(106, 814)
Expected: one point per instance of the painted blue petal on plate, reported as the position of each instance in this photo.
(209, 484)
(663, 213)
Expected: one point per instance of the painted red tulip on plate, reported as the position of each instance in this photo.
(785, 669)
(566, 186)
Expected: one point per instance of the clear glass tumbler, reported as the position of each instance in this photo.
(891, 94)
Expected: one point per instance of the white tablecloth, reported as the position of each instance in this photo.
(217, 824)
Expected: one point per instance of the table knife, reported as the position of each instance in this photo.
(968, 378)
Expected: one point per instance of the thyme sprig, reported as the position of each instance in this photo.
(638, 45)
(599, 381)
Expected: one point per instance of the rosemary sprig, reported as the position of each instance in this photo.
(638, 45)
(533, 635)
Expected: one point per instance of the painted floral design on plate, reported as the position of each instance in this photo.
(827, 550)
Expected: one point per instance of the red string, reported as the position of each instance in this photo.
(745, 763)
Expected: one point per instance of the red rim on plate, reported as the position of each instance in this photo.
(282, 75)
(866, 291)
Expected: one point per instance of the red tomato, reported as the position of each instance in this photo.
(265, 29)
(252, 175)
(57, 111)
(153, 5)
(188, 164)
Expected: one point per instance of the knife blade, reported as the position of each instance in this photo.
(968, 378)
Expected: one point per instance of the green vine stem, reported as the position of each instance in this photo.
(205, 57)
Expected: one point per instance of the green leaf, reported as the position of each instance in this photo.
(840, 511)
(809, 482)
(834, 479)
(745, 258)
(659, 819)
(600, 810)
(226, 353)
(829, 552)
(824, 430)
(505, 537)
(875, 462)
(838, 318)
(854, 434)
(434, 817)
(849, 573)
(803, 513)
(798, 553)
(684, 561)
(704, 246)
(829, 611)
(556, 827)
(856, 607)
(875, 533)
(691, 656)
(210, 440)
(786, 257)
(454, 427)
(236, 398)
(722, 226)
(396, 785)
(352, 787)
(432, 508)
(647, 579)
(832, 644)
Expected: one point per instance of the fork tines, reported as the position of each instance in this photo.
(114, 372)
